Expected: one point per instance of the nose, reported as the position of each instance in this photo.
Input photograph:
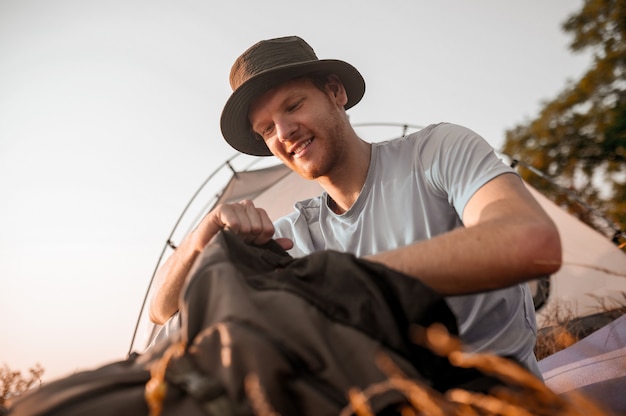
(286, 128)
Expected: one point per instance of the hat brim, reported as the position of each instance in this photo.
(234, 120)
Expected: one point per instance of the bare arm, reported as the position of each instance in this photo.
(251, 223)
(507, 239)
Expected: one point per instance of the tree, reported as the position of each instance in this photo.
(579, 138)
(13, 383)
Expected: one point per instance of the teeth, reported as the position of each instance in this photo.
(302, 146)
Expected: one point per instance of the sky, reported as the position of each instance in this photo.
(109, 122)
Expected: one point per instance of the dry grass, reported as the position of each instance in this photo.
(14, 383)
(562, 329)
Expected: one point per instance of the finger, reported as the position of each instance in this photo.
(250, 223)
(285, 243)
(266, 231)
(231, 217)
(261, 226)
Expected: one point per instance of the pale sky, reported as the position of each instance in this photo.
(109, 121)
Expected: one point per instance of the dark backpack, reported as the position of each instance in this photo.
(262, 330)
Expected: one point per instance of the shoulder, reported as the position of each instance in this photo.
(456, 161)
(433, 139)
(437, 145)
(446, 136)
(448, 146)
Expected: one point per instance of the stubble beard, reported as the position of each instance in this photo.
(332, 154)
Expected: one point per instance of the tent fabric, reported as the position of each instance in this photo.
(593, 270)
(250, 184)
(594, 366)
(275, 189)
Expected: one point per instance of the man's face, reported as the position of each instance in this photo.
(302, 125)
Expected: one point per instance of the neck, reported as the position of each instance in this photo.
(344, 184)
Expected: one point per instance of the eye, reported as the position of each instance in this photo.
(293, 107)
(267, 131)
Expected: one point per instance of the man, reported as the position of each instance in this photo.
(437, 205)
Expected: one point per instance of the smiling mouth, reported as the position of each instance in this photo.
(300, 148)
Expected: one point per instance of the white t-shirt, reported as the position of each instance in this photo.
(416, 188)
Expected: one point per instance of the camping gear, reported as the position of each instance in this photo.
(261, 326)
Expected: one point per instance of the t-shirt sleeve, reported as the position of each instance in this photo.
(458, 162)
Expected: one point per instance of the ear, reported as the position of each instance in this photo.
(336, 90)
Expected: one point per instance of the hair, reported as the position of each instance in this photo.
(319, 79)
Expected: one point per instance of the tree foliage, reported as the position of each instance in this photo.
(14, 383)
(579, 138)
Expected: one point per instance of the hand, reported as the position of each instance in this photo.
(252, 224)
(244, 219)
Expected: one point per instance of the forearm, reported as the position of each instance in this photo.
(244, 219)
(487, 256)
(170, 279)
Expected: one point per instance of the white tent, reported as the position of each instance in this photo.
(592, 265)
(594, 367)
(593, 271)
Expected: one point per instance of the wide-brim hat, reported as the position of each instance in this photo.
(264, 66)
